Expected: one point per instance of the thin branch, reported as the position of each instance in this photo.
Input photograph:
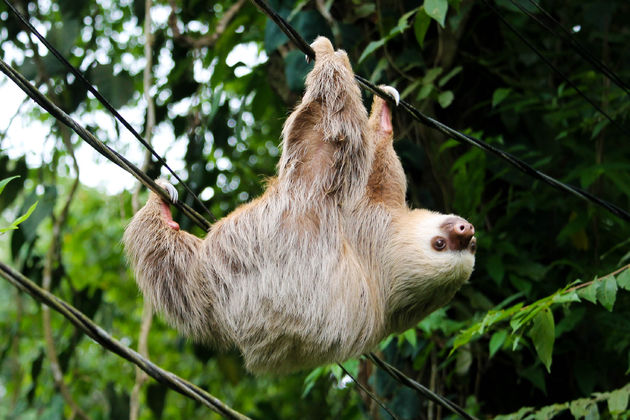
(143, 349)
(52, 256)
(588, 283)
(421, 389)
(95, 143)
(54, 250)
(98, 334)
(368, 392)
(207, 40)
(147, 310)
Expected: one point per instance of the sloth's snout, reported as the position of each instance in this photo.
(460, 234)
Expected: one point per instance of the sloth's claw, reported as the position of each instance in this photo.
(170, 189)
(391, 91)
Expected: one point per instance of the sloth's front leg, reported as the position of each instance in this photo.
(387, 183)
(326, 149)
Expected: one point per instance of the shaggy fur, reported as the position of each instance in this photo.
(326, 263)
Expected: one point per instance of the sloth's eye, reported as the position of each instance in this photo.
(438, 243)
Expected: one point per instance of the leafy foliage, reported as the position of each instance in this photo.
(523, 337)
(22, 218)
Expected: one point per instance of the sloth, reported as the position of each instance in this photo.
(327, 262)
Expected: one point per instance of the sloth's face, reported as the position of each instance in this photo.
(446, 243)
(442, 248)
(430, 257)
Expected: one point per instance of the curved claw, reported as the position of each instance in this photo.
(170, 189)
(391, 91)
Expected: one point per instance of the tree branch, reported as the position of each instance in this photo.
(207, 40)
(99, 335)
(54, 250)
(147, 310)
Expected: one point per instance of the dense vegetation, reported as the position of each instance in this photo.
(542, 323)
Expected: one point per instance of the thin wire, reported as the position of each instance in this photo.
(98, 334)
(577, 46)
(99, 146)
(421, 389)
(462, 138)
(103, 101)
(555, 69)
(368, 392)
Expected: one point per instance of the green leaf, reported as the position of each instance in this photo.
(431, 75)
(592, 413)
(463, 361)
(436, 9)
(516, 342)
(20, 219)
(372, 46)
(618, 401)
(412, 86)
(623, 279)
(403, 24)
(311, 379)
(411, 337)
(5, 181)
(352, 366)
(448, 76)
(424, 92)
(566, 297)
(579, 408)
(421, 25)
(365, 9)
(589, 293)
(464, 337)
(299, 5)
(607, 293)
(25, 215)
(499, 95)
(496, 341)
(543, 335)
(536, 376)
(445, 98)
(383, 344)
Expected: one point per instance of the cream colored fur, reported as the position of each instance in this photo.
(321, 267)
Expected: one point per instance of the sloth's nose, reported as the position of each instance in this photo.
(459, 232)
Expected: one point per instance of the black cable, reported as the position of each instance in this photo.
(368, 392)
(421, 389)
(555, 69)
(462, 138)
(575, 44)
(103, 101)
(98, 334)
(99, 146)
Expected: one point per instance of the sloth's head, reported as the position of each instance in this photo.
(444, 243)
(435, 256)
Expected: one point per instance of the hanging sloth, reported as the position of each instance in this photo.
(327, 262)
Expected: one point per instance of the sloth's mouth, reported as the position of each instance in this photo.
(472, 246)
